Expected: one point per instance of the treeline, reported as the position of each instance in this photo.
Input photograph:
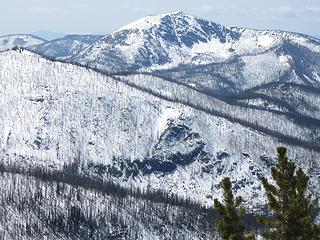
(109, 187)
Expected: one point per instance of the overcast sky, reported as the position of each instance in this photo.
(92, 16)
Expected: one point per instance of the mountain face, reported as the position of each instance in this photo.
(152, 41)
(65, 47)
(19, 40)
(61, 116)
(289, 62)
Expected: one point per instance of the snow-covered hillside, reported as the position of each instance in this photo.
(19, 40)
(255, 118)
(54, 114)
(168, 40)
(65, 47)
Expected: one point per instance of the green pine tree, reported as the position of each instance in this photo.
(292, 208)
(316, 232)
(230, 214)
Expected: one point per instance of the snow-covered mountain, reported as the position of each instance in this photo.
(168, 40)
(19, 40)
(65, 47)
(55, 114)
(208, 101)
(151, 41)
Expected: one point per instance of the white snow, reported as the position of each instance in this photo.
(305, 42)
(11, 41)
(167, 115)
(131, 47)
(214, 47)
(285, 59)
(265, 41)
(143, 23)
(146, 34)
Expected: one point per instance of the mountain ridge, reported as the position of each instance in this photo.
(10, 41)
(65, 47)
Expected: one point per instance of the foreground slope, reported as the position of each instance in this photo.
(66, 117)
(35, 209)
(19, 40)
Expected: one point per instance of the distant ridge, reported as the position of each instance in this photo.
(19, 40)
(48, 35)
(65, 47)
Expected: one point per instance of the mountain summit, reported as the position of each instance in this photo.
(179, 29)
(155, 41)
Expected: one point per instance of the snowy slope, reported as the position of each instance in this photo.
(249, 117)
(65, 47)
(20, 40)
(168, 40)
(54, 114)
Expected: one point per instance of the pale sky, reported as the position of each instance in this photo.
(92, 16)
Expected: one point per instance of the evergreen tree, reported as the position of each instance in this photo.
(291, 207)
(230, 213)
(316, 231)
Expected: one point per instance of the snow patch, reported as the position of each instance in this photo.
(265, 41)
(131, 47)
(143, 23)
(168, 114)
(214, 46)
(285, 59)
